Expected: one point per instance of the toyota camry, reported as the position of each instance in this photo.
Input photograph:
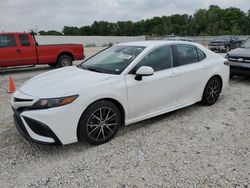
(121, 85)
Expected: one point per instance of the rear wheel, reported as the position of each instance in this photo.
(99, 123)
(64, 61)
(212, 91)
(52, 64)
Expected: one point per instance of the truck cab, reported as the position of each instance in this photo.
(21, 49)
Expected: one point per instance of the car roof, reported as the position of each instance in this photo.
(155, 43)
(12, 33)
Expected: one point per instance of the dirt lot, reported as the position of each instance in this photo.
(193, 147)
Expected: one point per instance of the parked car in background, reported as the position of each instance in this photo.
(239, 60)
(176, 38)
(225, 43)
(123, 84)
(21, 49)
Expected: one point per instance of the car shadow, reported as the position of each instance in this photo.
(239, 79)
(82, 146)
(25, 70)
(124, 130)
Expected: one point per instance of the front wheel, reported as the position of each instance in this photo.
(99, 123)
(64, 61)
(212, 91)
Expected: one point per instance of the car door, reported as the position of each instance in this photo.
(9, 51)
(192, 70)
(27, 51)
(156, 92)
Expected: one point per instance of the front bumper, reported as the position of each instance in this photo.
(240, 69)
(44, 134)
(217, 48)
(46, 126)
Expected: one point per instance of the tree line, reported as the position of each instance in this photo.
(211, 21)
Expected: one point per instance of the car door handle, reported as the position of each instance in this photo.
(174, 74)
(18, 50)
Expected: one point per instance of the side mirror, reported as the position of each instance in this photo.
(144, 71)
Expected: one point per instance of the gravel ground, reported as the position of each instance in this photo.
(193, 147)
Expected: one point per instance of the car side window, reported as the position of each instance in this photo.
(159, 59)
(186, 54)
(236, 38)
(201, 54)
(7, 41)
(24, 40)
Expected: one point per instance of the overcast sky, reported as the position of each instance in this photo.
(22, 15)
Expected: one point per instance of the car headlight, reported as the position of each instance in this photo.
(54, 102)
(227, 56)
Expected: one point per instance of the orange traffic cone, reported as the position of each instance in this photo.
(11, 87)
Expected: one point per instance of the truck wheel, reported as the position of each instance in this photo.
(64, 61)
(53, 64)
(227, 48)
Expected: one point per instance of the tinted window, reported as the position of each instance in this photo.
(159, 59)
(7, 41)
(186, 54)
(236, 38)
(201, 54)
(24, 40)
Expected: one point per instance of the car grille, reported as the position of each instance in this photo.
(216, 44)
(22, 103)
(239, 59)
(22, 100)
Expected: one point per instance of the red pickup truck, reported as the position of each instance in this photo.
(21, 49)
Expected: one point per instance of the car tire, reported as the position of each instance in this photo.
(99, 123)
(227, 48)
(53, 64)
(64, 61)
(212, 91)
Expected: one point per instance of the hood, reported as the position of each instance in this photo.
(58, 82)
(240, 52)
(220, 40)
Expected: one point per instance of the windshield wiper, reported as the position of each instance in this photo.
(89, 68)
(92, 69)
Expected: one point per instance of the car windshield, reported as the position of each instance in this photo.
(112, 60)
(246, 44)
(223, 38)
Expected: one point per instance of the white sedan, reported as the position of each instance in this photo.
(121, 85)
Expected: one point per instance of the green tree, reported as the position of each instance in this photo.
(211, 21)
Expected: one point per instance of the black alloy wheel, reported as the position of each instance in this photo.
(212, 91)
(99, 123)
